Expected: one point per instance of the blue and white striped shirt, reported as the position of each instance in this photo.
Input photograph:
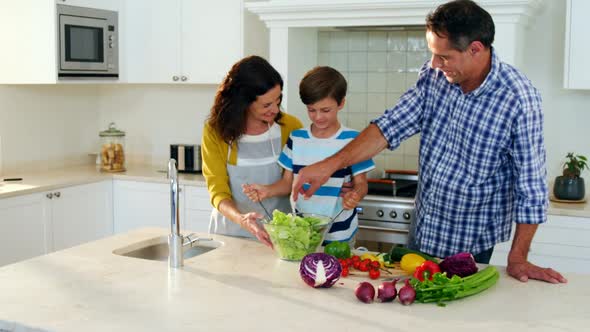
(482, 157)
(303, 149)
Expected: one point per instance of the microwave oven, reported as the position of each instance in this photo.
(87, 40)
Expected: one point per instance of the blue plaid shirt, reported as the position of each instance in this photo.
(482, 157)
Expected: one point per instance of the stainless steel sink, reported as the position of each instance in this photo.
(157, 249)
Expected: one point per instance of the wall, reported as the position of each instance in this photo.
(155, 116)
(46, 126)
(567, 112)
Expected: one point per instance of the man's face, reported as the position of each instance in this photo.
(457, 66)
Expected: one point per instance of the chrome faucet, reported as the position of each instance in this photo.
(176, 241)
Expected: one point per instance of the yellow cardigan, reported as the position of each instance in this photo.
(214, 152)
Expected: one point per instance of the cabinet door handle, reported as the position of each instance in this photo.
(57, 194)
(175, 78)
(50, 195)
(184, 78)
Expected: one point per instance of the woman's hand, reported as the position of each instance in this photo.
(248, 221)
(256, 192)
(350, 200)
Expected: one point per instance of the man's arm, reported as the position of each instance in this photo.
(366, 145)
(518, 265)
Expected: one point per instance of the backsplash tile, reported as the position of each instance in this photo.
(379, 67)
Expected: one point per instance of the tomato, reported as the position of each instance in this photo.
(348, 262)
(356, 264)
(364, 266)
(344, 272)
(375, 264)
(374, 273)
(356, 258)
(366, 261)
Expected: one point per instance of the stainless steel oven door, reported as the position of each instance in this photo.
(83, 43)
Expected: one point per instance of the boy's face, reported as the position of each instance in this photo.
(324, 113)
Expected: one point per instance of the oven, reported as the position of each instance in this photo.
(387, 212)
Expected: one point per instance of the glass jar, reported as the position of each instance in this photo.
(112, 149)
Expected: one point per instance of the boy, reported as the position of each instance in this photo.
(323, 91)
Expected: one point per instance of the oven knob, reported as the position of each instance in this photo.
(407, 215)
(393, 214)
(379, 213)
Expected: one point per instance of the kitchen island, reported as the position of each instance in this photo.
(242, 286)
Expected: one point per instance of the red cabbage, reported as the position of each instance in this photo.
(320, 270)
(461, 264)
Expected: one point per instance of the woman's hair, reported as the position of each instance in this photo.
(320, 83)
(247, 79)
(462, 22)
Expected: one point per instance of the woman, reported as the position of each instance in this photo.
(242, 140)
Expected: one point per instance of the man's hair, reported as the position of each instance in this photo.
(322, 82)
(462, 22)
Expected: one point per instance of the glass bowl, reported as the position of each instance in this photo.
(299, 236)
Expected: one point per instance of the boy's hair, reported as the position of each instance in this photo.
(322, 82)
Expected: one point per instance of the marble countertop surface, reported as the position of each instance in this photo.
(49, 180)
(242, 286)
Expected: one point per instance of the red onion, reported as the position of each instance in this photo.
(387, 291)
(365, 292)
(407, 294)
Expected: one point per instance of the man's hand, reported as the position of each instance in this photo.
(315, 175)
(524, 270)
(518, 265)
(248, 222)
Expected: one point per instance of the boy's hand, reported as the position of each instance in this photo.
(350, 200)
(255, 192)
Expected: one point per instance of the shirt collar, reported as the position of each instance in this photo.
(491, 77)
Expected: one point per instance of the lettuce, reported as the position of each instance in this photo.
(294, 237)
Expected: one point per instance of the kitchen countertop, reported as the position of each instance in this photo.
(242, 286)
(50, 180)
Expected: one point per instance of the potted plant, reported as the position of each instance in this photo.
(570, 186)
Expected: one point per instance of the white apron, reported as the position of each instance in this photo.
(238, 175)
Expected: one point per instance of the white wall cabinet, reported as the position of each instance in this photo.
(181, 41)
(561, 243)
(576, 72)
(197, 209)
(143, 204)
(79, 214)
(98, 4)
(22, 228)
(28, 33)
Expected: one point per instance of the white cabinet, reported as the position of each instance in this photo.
(197, 209)
(561, 243)
(80, 214)
(142, 204)
(28, 35)
(181, 41)
(98, 4)
(22, 228)
(576, 72)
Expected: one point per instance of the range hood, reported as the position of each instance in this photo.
(286, 19)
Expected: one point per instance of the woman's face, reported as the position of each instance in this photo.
(266, 107)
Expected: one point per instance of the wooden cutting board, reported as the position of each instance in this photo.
(386, 273)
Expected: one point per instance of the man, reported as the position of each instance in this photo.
(482, 155)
